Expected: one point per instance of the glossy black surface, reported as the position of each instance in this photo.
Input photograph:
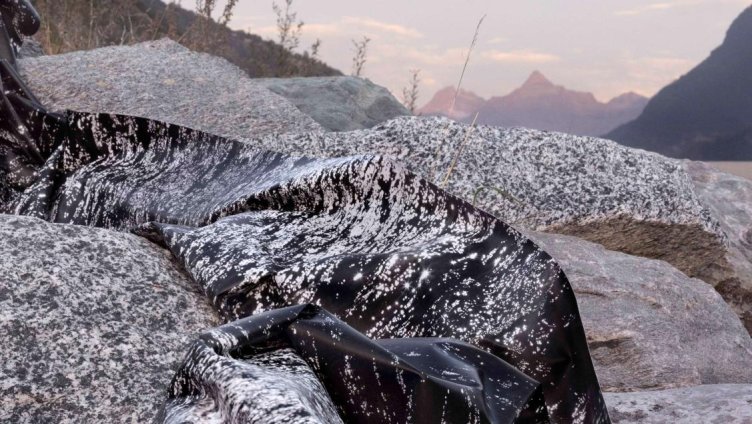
(437, 311)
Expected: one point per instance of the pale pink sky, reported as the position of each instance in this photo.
(604, 46)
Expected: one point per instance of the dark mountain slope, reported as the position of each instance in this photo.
(707, 113)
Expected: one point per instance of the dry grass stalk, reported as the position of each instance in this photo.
(456, 93)
(459, 152)
(467, 60)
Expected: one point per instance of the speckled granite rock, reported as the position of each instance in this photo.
(338, 103)
(163, 80)
(628, 200)
(648, 325)
(93, 323)
(729, 199)
(711, 404)
(31, 48)
(391, 255)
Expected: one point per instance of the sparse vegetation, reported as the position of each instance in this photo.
(288, 26)
(411, 92)
(203, 34)
(70, 25)
(288, 33)
(361, 55)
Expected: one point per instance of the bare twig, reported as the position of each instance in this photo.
(410, 93)
(227, 12)
(288, 30)
(361, 55)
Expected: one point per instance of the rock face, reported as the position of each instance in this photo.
(729, 199)
(717, 404)
(94, 323)
(628, 200)
(705, 114)
(338, 103)
(165, 81)
(648, 325)
(389, 253)
(31, 48)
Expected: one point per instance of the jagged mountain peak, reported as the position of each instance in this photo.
(541, 104)
(537, 78)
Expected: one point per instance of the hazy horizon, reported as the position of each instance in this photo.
(606, 48)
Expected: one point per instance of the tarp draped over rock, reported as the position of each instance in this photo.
(442, 311)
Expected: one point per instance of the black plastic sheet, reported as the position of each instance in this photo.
(373, 381)
(428, 310)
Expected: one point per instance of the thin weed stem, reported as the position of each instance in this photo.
(459, 152)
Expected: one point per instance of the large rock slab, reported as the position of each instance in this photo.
(648, 325)
(162, 80)
(712, 404)
(338, 103)
(628, 200)
(729, 199)
(94, 323)
(373, 243)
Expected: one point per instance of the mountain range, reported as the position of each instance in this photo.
(707, 113)
(539, 104)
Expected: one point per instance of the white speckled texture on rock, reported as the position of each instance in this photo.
(629, 200)
(648, 325)
(729, 199)
(163, 80)
(357, 235)
(94, 323)
(338, 103)
(276, 387)
(708, 404)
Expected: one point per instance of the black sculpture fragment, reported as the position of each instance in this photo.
(412, 305)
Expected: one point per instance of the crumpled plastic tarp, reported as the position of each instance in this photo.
(354, 290)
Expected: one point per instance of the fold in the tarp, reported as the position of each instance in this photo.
(371, 381)
(387, 252)
(427, 309)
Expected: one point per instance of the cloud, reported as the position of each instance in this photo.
(323, 29)
(647, 8)
(406, 55)
(383, 27)
(348, 26)
(497, 40)
(519, 56)
(666, 5)
(649, 74)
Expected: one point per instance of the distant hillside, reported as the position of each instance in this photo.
(69, 25)
(540, 104)
(707, 113)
